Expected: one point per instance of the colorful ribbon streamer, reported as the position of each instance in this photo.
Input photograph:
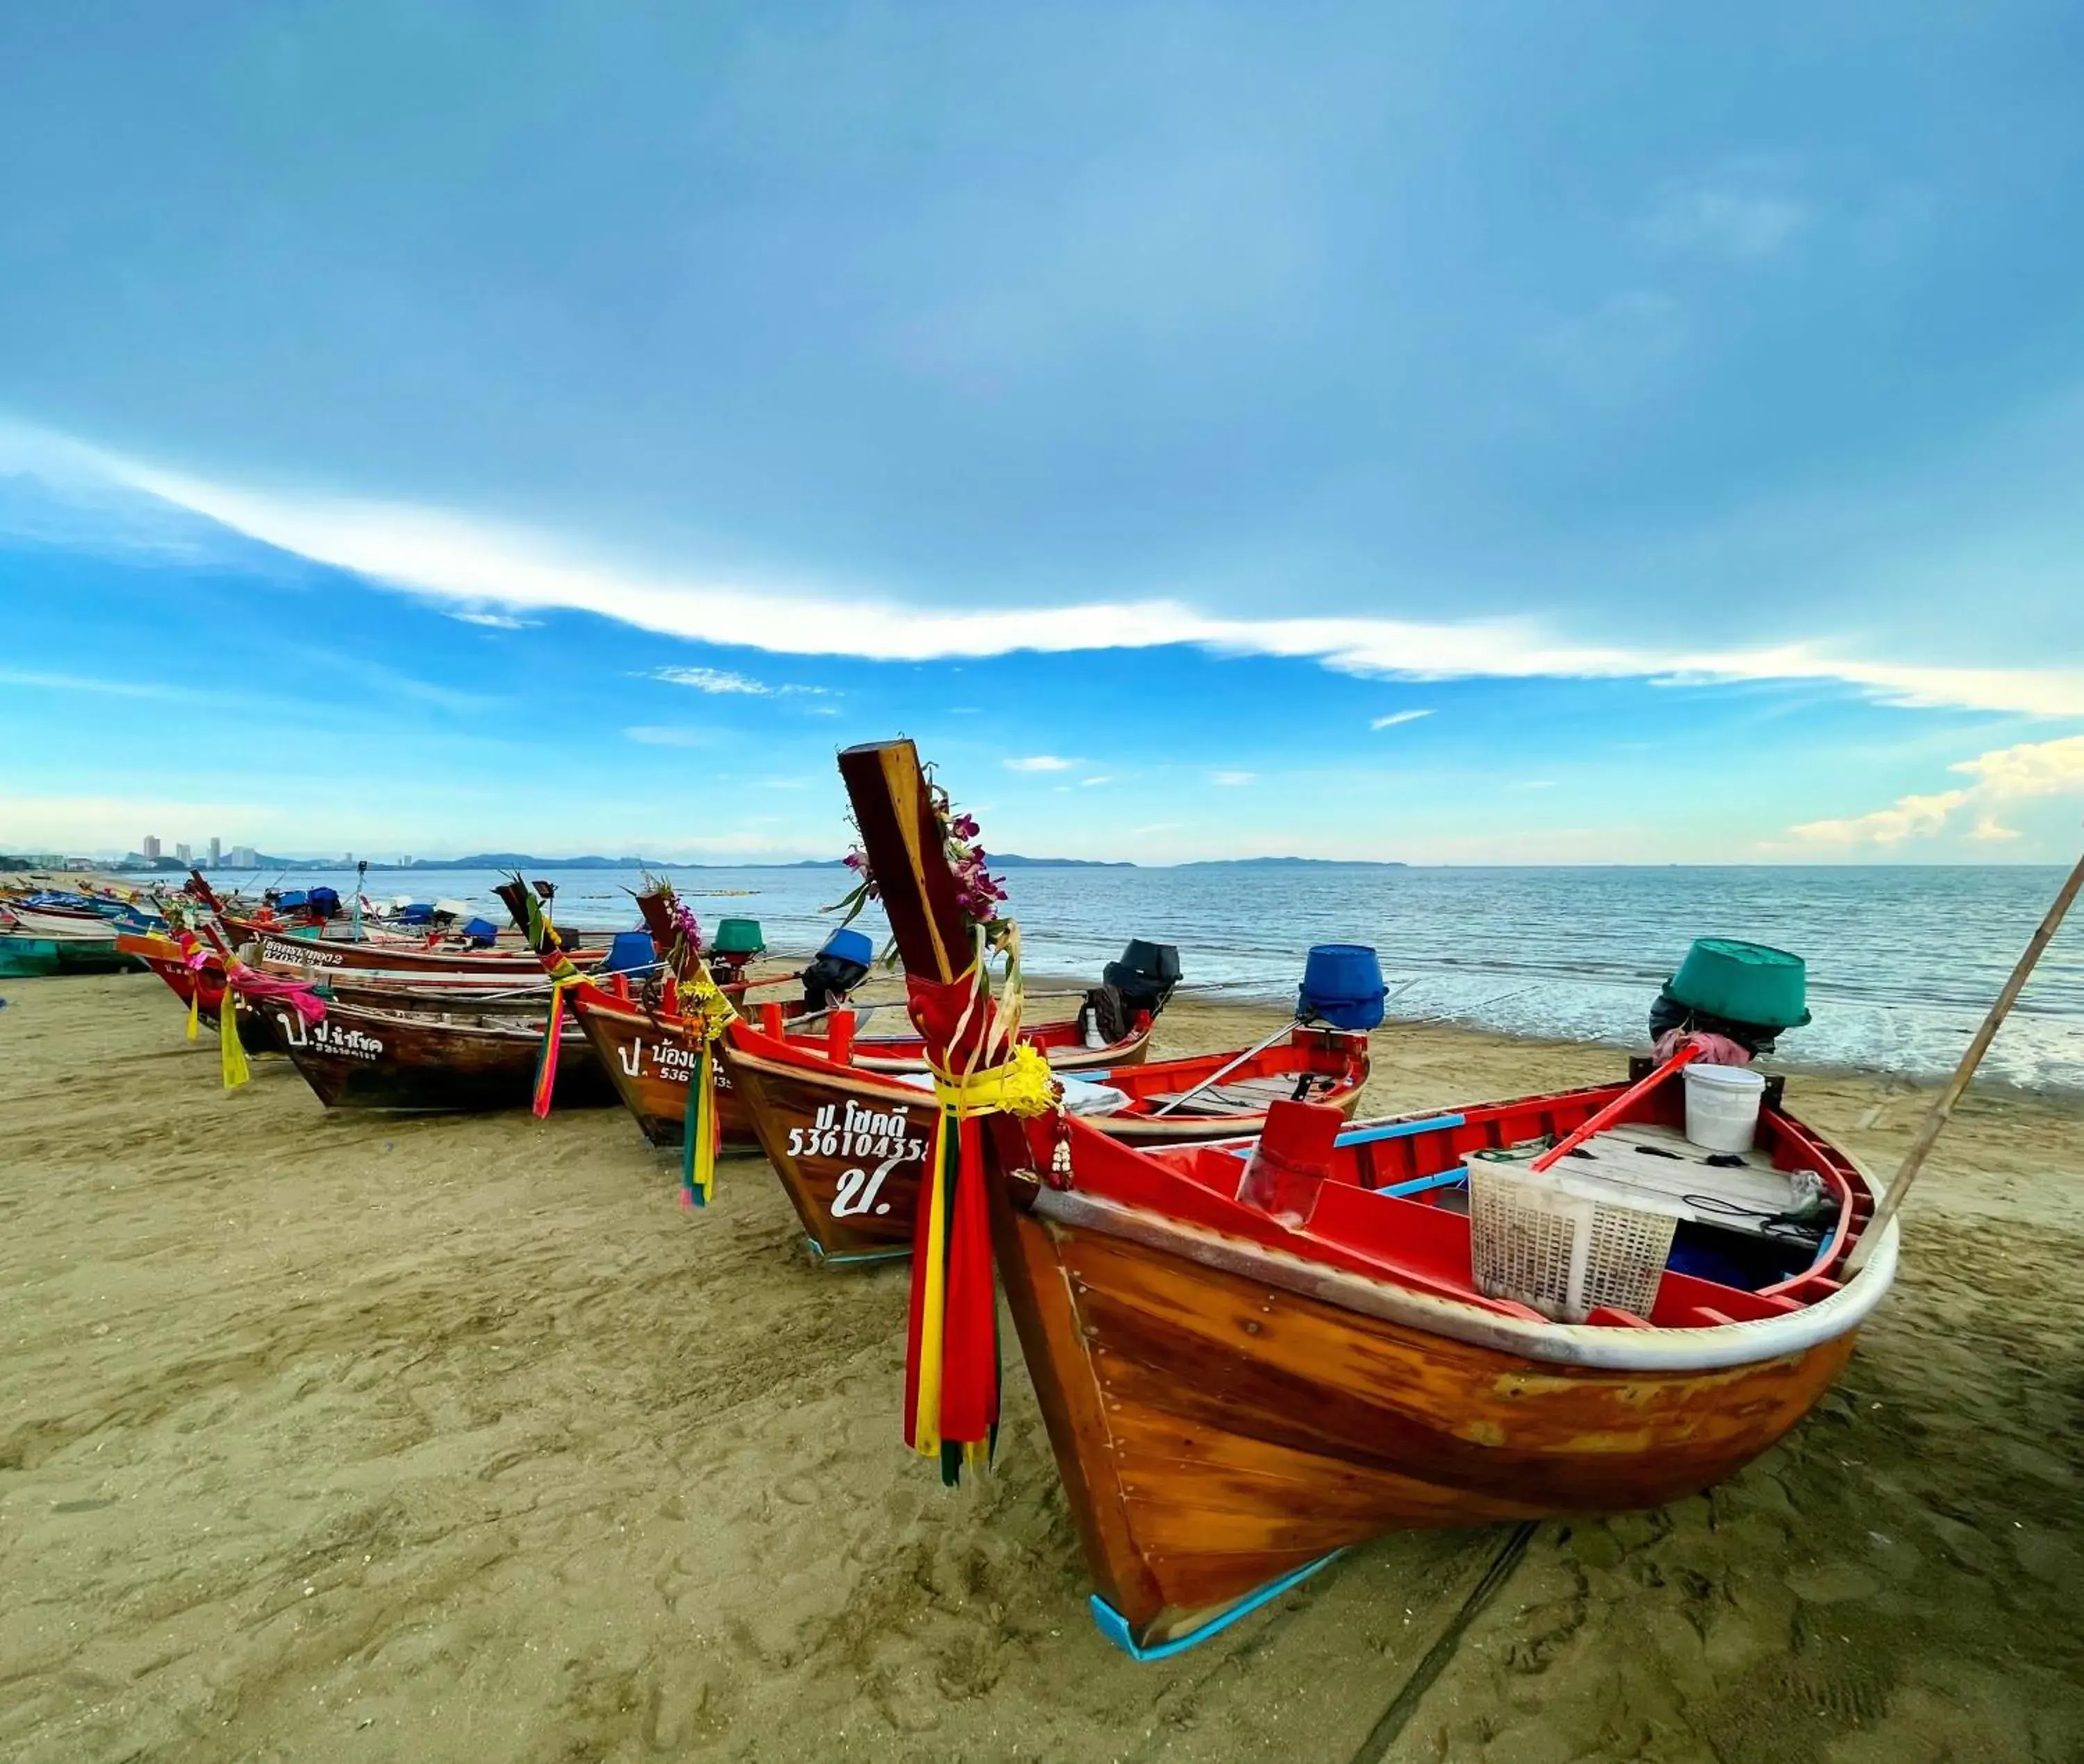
(951, 1361)
(705, 1008)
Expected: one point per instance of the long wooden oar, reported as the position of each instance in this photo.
(1216, 1077)
(1942, 1111)
(1614, 1110)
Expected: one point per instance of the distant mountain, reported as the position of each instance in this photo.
(1293, 863)
(1015, 860)
(522, 860)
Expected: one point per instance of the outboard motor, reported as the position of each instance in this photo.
(482, 932)
(1746, 992)
(838, 968)
(1134, 988)
(323, 903)
(738, 941)
(1144, 976)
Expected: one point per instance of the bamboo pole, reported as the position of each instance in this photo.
(1942, 1111)
(1215, 1078)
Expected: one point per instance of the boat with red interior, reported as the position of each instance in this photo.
(1252, 1357)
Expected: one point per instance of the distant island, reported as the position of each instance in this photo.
(1293, 863)
(135, 864)
(1015, 860)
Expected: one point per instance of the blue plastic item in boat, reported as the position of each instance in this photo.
(1341, 986)
(631, 952)
(850, 944)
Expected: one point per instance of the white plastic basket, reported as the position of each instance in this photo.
(1563, 1243)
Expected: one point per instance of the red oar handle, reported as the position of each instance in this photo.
(1613, 1111)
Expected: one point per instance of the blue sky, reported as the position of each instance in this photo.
(1492, 434)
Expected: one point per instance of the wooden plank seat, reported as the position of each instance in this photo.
(1243, 1096)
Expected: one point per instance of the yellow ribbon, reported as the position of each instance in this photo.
(703, 1002)
(231, 1055)
(1024, 1085)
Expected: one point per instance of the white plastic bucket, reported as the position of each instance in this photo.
(1722, 1107)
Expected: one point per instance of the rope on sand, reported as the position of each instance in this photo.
(1375, 1748)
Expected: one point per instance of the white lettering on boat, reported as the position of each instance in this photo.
(881, 1136)
(328, 1037)
(298, 953)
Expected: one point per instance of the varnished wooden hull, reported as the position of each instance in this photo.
(1217, 1433)
(858, 1191)
(316, 957)
(376, 1059)
(850, 1148)
(650, 1061)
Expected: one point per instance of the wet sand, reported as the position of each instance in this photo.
(332, 1436)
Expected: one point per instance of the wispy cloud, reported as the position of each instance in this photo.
(1395, 717)
(2002, 776)
(1089, 783)
(656, 735)
(80, 683)
(1040, 762)
(1615, 350)
(498, 621)
(433, 552)
(1233, 778)
(1734, 214)
(722, 682)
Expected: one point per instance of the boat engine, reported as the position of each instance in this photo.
(1746, 992)
(838, 968)
(1144, 976)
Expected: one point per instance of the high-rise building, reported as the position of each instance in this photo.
(152, 847)
(244, 857)
(348, 859)
(182, 854)
(216, 852)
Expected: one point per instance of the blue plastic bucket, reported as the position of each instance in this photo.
(631, 951)
(1341, 986)
(850, 944)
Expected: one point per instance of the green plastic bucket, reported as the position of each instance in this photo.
(1746, 982)
(739, 937)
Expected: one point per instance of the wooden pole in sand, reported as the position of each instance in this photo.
(1942, 1111)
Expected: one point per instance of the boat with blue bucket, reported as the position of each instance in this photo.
(1253, 1355)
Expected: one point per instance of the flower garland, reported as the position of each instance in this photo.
(980, 894)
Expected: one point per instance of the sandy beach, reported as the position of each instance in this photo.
(336, 1436)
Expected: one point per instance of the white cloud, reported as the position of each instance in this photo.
(1233, 778)
(1395, 717)
(722, 681)
(436, 553)
(81, 683)
(1728, 218)
(653, 735)
(1040, 762)
(498, 621)
(713, 679)
(1089, 783)
(2003, 774)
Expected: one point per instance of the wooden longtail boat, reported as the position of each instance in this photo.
(1233, 1397)
(316, 957)
(849, 1144)
(261, 1024)
(426, 1063)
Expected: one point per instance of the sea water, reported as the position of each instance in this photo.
(1903, 960)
